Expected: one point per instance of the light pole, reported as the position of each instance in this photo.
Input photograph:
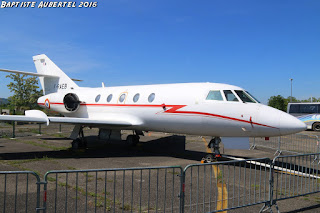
(291, 79)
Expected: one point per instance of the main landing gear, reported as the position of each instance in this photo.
(133, 139)
(215, 150)
(79, 142)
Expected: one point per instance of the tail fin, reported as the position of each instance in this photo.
(52, 84)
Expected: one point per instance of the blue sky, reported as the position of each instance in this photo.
(254, 44)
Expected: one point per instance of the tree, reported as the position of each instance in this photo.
(25, 91)
(277, 102)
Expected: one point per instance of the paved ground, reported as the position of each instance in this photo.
(51, 151)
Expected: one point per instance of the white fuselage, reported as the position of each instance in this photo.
(178, 108)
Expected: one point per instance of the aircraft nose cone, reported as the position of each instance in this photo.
(290, 124)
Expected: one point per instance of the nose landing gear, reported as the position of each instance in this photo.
(215, 151)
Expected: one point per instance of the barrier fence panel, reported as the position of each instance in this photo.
(300, 143)
(295, 175)
(154, 189)
(213, 187)
(296, 143)
(271, 143)
(228, 185)
(19, 191)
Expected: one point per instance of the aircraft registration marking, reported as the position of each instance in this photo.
(60, 86)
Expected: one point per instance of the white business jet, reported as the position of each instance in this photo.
(206, 109)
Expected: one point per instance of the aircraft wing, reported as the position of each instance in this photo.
(22, 118)
(38, 116)
(30, 116)
(90, 122)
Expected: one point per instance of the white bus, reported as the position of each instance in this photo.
(309, 113)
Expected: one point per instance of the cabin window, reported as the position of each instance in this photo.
(214, 95)
(230, 96)
(136, 97)
(109, 98)
(122, 97)
(151, 97)
(98, 98)
(244, 97)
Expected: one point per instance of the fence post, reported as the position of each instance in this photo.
(270, 203)
(39, 129)
(60, 129)
(13, 129)
(253, 146)
(182, 190)
(279, 147)
(13, 126)
(318, 151)
(44, 206)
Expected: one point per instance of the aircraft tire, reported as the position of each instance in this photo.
(209, 158)
(132, 140)
(75, 144)
(316, 126)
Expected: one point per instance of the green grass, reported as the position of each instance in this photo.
(35, 131)
(174, 173)
(71, 168)
(56, 148)
(64, 185)
(126, 207)
(57, 135)
(92, 194)
(51, 179)
(255, 186)
(16, 162)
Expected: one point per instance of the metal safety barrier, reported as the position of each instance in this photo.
(296, 143)
(19, 189)
(213, 187)
(228, 185)
(294, 176)
(153, 189)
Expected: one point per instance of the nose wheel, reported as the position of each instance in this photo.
(214, 145)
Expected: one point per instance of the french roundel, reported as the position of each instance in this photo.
(47, 103)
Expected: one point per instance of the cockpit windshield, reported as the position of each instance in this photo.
(253, 97)
(214, 95)
(244, 97)
(230, 96)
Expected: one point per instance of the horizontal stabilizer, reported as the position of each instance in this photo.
(34, 74)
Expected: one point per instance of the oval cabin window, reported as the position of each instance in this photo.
(136, 97)
(109, 98)
(122, 97)
(151, 97)
(98, 98)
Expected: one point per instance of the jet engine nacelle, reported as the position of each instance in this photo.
(71, 102)
(63, 103)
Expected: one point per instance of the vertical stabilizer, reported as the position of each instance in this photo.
(52, 84)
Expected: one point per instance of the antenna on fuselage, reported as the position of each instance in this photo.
(102, 85)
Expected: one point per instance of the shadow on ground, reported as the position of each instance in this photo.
(173, 146)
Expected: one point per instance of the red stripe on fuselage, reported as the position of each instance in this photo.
(173, 109)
